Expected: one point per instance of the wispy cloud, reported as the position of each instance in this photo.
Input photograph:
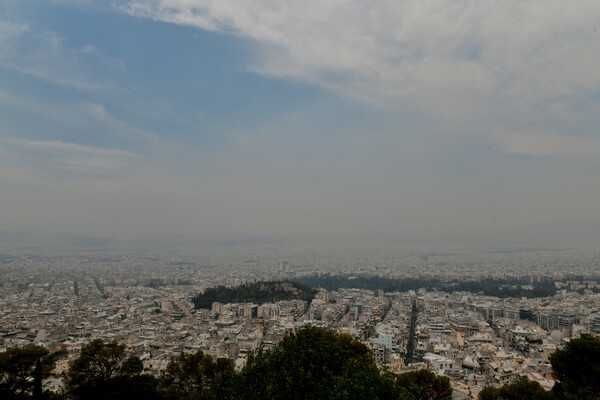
(8, 30)
(545, 144)
(58, 146)
(79, 114)
(54, 157)
(99, 112)
(47, 57)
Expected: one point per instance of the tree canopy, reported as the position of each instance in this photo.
(314, 363)
(491, 287)
(197, 376)
(18, 367)
(577, 368)
(425, 385)
(259, 292)
(521, 390)
(104, 370)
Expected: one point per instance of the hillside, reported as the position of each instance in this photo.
(257, 293)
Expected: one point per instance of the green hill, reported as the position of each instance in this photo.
(257, 293)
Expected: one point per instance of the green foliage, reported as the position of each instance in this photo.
(425, 385)
(314, 363)
(577, 367)
(260, 292)
(521, 390)
(489, 393)
(17, 367)
(103, 370)
(197, 376)
(335, 282)
(490, 287)
(364, 382)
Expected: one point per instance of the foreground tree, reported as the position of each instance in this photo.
(577, 368)
(38, 392)
(425, 385)
(521, 390)
(104, 371)
(18, 371)
(314, 363)
(197, 376)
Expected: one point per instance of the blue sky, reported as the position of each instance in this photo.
(161, 117)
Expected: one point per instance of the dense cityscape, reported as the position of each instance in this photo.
(65, 301)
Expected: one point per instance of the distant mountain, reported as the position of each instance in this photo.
(24, 240)
(544, 236)
(219, 240)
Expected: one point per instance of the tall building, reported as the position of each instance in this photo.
(283, 266)
(594, 323)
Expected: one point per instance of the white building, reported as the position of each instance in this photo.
(386, 340)
(439, 363)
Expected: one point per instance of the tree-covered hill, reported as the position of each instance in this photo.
(491, 287)
(257, 293)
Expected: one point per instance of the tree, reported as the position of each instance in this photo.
(17, 366)
(197, 376)
(521, 390)
(489, 393)
(425, 385)
(38, 393)
(103, 370)
(364, 382)
(314, 363)
(577, 369)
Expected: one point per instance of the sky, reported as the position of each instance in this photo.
(136, 118)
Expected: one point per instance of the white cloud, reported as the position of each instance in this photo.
(39, 160)
(8, 30)
(446, 55)
(56, 145)
(544, 144)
